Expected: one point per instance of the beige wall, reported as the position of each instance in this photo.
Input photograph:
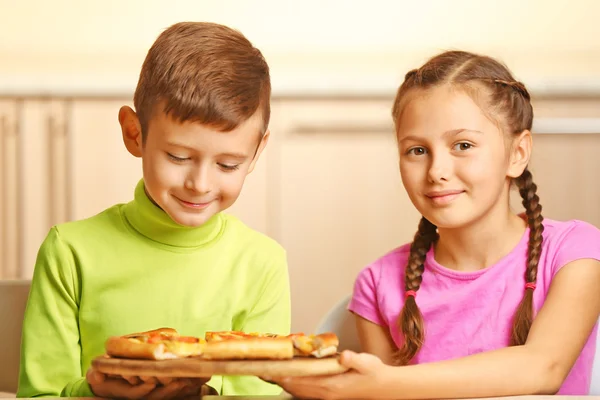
(82, 48)
(63, 39)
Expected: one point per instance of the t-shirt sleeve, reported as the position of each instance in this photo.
(364, 297)
(271, 312)
(581, 241)
(50, 346)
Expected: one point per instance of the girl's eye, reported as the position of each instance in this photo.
(417, 151)
(463, 146)
(229, 167)
(177, 159)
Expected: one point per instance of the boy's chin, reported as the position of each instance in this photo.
(191, 221)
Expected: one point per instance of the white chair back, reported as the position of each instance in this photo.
(341, 322)
(595, 384)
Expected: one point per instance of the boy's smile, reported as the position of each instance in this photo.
(192, 171)
(196, 206)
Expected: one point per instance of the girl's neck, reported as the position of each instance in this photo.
(480, 244)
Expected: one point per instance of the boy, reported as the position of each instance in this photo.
(170, 257)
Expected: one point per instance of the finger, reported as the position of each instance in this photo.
(281, 379)
(133, 380)
(191, 390)
(139, 391)
(94, 377)
(165, 380)
(169, 391)
(268, 379)
(119, 388)
(196, 382)
(149, 379)
(352, 360)
(208, 391)
(363, 363)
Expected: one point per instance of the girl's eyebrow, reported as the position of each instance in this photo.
(455, 132)
(452, 132)
(408, 138)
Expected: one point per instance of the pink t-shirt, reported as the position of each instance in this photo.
(471, 312)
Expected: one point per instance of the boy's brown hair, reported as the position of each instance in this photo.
(203, 72)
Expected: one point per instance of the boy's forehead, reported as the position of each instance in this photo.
(166, 128)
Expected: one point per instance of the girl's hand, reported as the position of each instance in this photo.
(367, 371)
(133, 387)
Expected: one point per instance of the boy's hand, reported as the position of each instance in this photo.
(133, 387)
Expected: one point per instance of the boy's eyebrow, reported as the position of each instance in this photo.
(183, 146)
(452, 132)
(240, 156)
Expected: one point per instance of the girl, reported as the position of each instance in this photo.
(452, 313)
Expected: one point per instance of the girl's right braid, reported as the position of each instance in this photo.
(411, 320)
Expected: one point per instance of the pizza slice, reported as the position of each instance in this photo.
(241, 345)
(235, 345)
(319, 346)
(213, 336)
(158, 344)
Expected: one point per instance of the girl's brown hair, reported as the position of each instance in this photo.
(507, 102)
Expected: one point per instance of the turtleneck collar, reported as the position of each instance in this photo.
(151, 221)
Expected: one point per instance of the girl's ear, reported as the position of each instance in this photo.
(520, 154)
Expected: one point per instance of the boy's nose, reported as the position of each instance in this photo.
(199, 181)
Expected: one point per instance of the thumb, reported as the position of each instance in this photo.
(360, 362)
(94, 377)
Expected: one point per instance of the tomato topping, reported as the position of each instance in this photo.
(187, 339)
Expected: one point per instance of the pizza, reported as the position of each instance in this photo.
(217, 336)
(166, 343)
(240, 345)
(158, 344)
(235, 345)
(319, 346)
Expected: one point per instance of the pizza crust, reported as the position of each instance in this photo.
(250, 349)
(167, 347)
(159, 331)
(319, 346)
(123, 347)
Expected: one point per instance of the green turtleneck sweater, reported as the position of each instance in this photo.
(131, 268)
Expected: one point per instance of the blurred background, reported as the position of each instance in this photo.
(328, 187)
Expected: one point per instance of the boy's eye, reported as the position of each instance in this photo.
(177, 159)
(417, 151)
(229, 167)
(463, 146)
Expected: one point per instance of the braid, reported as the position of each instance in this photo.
(411, 320)
(533, 210)
(515, 85)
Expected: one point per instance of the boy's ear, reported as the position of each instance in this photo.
(520, 154)
(261, 146)
(132, 130)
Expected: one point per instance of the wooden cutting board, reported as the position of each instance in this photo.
(195, 367)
